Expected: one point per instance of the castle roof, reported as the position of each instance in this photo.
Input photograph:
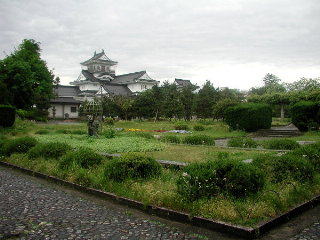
(99, 58)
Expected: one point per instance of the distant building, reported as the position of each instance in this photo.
(97, 79)
(182, 83)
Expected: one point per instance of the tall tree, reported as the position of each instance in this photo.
(187, 98)
(205, 99)
(26, 77)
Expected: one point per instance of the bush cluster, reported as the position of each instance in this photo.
(281, 144)
(242, 142)
(293, 167)
(109, 133)
(64, 131)
(79, 132)
(204, 180)
(83, 157)
(33, 114)
(132, 166)
(171, 139)
(49, 150)
(181, 126)
(199, 140)
(311, 153)
(109, 121)
(18, 145)
(249, 116)
(7, 116)
(199, 128)
(305, 114)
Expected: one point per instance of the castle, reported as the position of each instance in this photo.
(97, 79)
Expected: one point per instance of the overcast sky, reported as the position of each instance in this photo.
(233, 43)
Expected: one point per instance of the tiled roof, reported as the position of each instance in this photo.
(102, 57)
(67, 100)
(130, 78)
(116, 90)
(66, 91)
(182, 82)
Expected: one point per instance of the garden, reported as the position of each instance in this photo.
(228, 184)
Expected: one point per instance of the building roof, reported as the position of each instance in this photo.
(182, 82)
(65, 100)
(131, 78)
(116, 90)
(99, 58)
(66, 91)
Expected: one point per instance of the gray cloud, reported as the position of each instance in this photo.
(231, 42)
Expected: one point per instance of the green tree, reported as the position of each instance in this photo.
(27, 77)
(187, 98)
(304, 84)
(171, 104)
(204, 100)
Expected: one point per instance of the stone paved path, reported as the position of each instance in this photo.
(33, 210)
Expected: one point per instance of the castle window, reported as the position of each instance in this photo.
(143, 86)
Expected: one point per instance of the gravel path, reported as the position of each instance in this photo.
(33, 210)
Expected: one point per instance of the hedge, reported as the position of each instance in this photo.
(249, 116)
(7, 115)
(305, 114)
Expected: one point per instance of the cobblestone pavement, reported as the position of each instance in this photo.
(32, 210)
(309, 233)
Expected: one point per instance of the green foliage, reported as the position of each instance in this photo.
(181, 126)
(304, 114)
(27, 77)
(42, 132)
(249, 117)
(109, 133)
(219, 109)
(109, 121)
(199, 140)
(171, 139)
(311, 153)
(49, 150)
(199, 128)
(290, 167)
(242, 142)
(205, 180)
(79, 132)
(281, 144)
(132, 166)
(84, 157)
(18, 145)
(7, 115)
(205, 99)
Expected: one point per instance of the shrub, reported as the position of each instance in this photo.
(242, 142)
(132, 166)
(293, 167)
(84, 157)
(181, 126)
(199, 140)
(109, 121)
(249, 116)
(64, 131)
(204, 180)
(171, 139)
(33, 114)
(49, 150)
(244, 179)
(42, 132)
(7, 115)
(19, 145)
(311, 153)
(281, 144)
(109, 133)
(199, 128)
(205, 122)
(304, 114)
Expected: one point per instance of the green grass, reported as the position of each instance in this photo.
(308, 136)
(276, 122)
(101, 144)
